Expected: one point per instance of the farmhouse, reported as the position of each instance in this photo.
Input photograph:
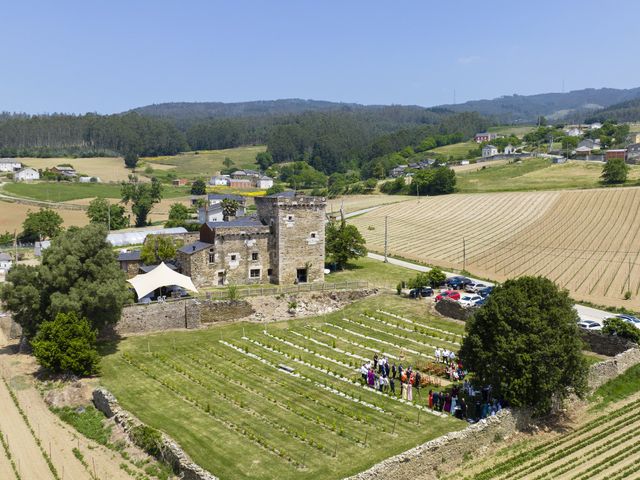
(283, 243)
(264, 182)
(633, 153)
(616, 153)
(64, 170)
(179, 182)
(489, 151)
(5, 263)
(212, 211)
(485, 137)
(219, 180)
(9, 165)
(26, 175)
(509, 150)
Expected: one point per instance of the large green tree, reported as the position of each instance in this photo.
(112, 215)
(343, 242)
(67, 344)
(179, 214)
(229, 208)
(525, 343)
(434, 181)
(615, 171)
(158, 248)
(143, 196)
(42, 224)
(620, 328)
(198, 187)
(79, 273)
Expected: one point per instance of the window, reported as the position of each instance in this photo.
(212, 256)
(314, 235)
(301, 275)
(290, 218)
(270, 271)
(234, 257)
(254, 256)
(254, 273)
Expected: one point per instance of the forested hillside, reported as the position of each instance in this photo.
(88, 135)
(620, 112)
(526, 108)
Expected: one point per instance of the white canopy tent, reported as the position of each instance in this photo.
(161, 276)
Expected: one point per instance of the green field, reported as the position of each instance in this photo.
(206, 162)
(456, 150)
(375, 272)
(535, 174)
(221, 394)
(517, 130)
(65, 191)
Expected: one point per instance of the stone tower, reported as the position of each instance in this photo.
(296, 248)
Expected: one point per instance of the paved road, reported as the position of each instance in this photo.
(586, 313)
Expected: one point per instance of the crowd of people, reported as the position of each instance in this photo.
(461, 400)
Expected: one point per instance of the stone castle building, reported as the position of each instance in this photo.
(283, 243)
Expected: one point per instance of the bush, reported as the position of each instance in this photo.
(617, 326)
(147, 438)
(67, 344)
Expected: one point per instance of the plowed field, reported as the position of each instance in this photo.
(586, 241)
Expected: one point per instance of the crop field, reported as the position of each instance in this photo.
(534, 174)
(284, 400)
(517, 130)
(587, 241)
(607, 446)
(456, 150)
(65, 191)
(109, 169)
(352, 203)
(206, 162)
(13, 214)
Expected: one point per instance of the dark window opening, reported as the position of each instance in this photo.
(254, 273)
(233, 258)
(270, 271)
(212, 257)
(220, 278)
(313, 234)
(254, 256)
(301, 275)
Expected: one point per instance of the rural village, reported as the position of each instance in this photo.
(305, 289)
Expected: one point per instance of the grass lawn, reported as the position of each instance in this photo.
(377, 273)
(221, 393)
(205, 163)
(535, 174)
(456, 150)
(65, 191)
(618, 388)
(517, 130)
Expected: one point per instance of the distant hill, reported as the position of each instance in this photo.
(259, 108)
(622, 112)
(554, 106)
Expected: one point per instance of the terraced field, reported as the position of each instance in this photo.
(352, 203)
(606, 447)
(587, 241)
(286, 399)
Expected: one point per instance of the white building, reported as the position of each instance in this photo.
(595, 126)
(5, 263)
(9, 165)
(26, 175)
(219, 180)
(509, 150)
(264, 182)
(489, 151)
(573, 132)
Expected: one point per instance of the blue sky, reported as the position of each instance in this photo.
(111, 55)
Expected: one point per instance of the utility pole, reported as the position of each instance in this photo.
(629, 276)
(386, 218)
(464, 254)
(417, 192)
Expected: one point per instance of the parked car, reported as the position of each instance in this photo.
(452, 294)
(485, 292)
(457, 282)
(469, 300)
(421, 292)
(630, 319)
(473, 287)
(480, 302)
(589, 324)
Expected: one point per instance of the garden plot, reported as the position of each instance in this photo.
(286, 398)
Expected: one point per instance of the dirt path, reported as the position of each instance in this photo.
(56, 437)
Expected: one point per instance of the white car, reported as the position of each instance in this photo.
(469, 300)
(589, 325)
(473, 287)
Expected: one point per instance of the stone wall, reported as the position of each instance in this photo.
(601, 373)
(171, 451)
(428, 459)
(603, 344)
(452, 309)
(178, 314)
